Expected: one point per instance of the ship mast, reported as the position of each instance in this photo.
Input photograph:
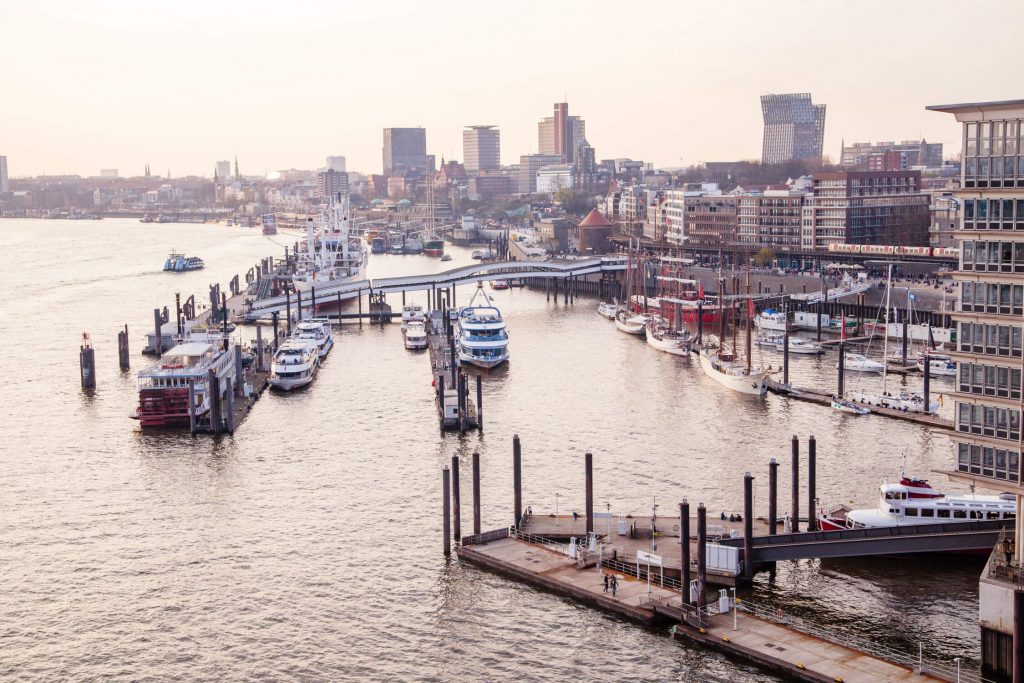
(750, 304)
(885, 337)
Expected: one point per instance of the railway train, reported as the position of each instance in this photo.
(889, 250)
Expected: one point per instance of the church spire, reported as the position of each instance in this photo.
(238, 176)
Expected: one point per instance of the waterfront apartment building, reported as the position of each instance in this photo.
(481, 148)
(892, 156)
(866, 207)
(529, 165)
(696, 217)
(330, 183)
(336, 163)
(772, 219)
(989, 396)
(794, 127)
(405, 149)
(551, 179)
(5, 185)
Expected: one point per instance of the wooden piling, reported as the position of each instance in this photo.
(588, 466)
(748, 526)
(87, 363)
(479, 403)
(191, 406)
(446, 514)
(275, 317)
(841, 388)
(785, 352)
(476, 492)
(123, 357)
(702, 553)
(773, 496)
(456, 504)
(795, 486)
(239, 383)
(259, 349)
(812, 457)
(158, 339)
(684, 543)
(517, 480)
(229, 412)
(927, 379)
(288, 312)
(359, 297)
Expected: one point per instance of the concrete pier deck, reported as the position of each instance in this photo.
(774, 646)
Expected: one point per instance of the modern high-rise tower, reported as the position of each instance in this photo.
(561, 134)
(336, 163)
(5, 185)
(481, 148)
(405, 149)
(794, 128)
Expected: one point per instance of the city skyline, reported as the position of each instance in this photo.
(219, 96)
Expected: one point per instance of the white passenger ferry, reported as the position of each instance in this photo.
(318, 331)
(295, 364)
(481, 337)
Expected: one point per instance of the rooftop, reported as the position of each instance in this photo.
(976, 106)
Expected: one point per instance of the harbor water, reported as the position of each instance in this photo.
(308, 546)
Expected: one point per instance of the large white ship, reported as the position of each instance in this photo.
(481, 337)
(332, 254)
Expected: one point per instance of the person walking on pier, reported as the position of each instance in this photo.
(615, 584)
(605, 583)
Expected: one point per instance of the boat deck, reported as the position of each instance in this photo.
(822, 398)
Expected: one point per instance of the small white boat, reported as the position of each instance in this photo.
(294, 365)
(412, 313)
(500, 284)
(802, 346)
(446, 257)
(732, 373)
(844, 406)
(859, 363)
(607, 310)
(662, 337)
(415, 335)
(318, 331)
(908, 403)
(631, 323)
(939, 365)
(772, 320)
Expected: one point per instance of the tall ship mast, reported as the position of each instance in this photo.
(332, 253)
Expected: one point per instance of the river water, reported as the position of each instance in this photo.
(307, 546)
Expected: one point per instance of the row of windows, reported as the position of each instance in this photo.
(986, 461)
(993, 340)
(989, 380)
(993, 257)
(993, 210)
(993, 137)
(1002, 423)
(945, 513)
(982, 297)
(994, 167)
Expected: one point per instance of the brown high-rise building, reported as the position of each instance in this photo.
(563, 135)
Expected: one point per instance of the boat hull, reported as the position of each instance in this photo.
(753, 385)
(675, 346)
(484, 363)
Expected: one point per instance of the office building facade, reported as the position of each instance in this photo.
(405, 149)
(336, 163)
(223, 171)
(794, 128)
(330, 183)
(5, 184)
(481, 148)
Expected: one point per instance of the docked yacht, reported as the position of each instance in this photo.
(938, 365)
(845, 406)
(332, 253)
(295, 364)
(412, 313)
(631, 323)
(908, 403)
(661, 336)
(415, 335)
(732, 373)
(607, 310)
(913, 502)
(802, 347)
(480, 335)
(859, 363)
(164, 386)
(770, 320)
(318, 331)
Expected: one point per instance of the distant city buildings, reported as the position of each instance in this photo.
(109, 173)
(405, 149)
(336, 163)
(529, 165)
(481, 148)
(330, 183)
(561, 134)
(555, 177)
(794, 128)
(892, 156)
(223, 171)
(5, 185)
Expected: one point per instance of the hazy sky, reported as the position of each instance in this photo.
(116, 84)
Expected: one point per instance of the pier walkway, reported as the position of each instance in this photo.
(556, 268)
(455, 409)
(794, 653)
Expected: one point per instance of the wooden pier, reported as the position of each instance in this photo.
(822, 398)
(456, 410)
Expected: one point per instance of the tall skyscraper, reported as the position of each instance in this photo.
(561, 134)
(989, 347)
(5, 186)
(224, 171)
(794, 127)
(336, 163)
(405, 149)
(481, 148)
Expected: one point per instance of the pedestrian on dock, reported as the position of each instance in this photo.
(615, 584)
(605, 583)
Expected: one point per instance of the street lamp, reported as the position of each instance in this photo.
(556, 509)
(608, 506)
(957, 660)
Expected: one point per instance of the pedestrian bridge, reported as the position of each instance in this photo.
(344, 291)
(961, 537)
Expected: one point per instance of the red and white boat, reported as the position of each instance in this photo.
(913, 502)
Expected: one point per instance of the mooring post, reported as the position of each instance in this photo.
(588, 460)
(702, 553)
(275, 318)
(123, 355)
(841, 369)
(684, 542)
(904, 340)
(773, 496)
(312, 310)
(446, 514)
(229, 412)
(339, 311)
(191, 406)
(177, 308)
(479, 403)
(213, 393)
(476, 492)
(785, 352)
(795, 486)
(927, 380)
(1018, 636)
(440, 394)
(517, 480)
(87, 363)
(700, 322)
(158, 339)
(455, 499)
(287, 313)
(812, 475)
(359, 297)
(239, 372)
(748, 525)
(259, 348)
(298, 298)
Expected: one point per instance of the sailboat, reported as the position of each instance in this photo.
(726, 369)
(911, 403)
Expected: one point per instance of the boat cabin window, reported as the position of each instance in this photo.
(895, 495)
(942, 513)
(992, 515)
(927, 512)
(976, 514)
(910, 512)
(959, 514)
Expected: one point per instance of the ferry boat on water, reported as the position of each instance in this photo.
(164, 386)
(332, 254)
(318, 331)
(500, 284)
(913, 502)
(269, 224)
(661, 336)
(416, 335)
(294, 364)
(432, 246)
(412, 313)
(481, 337)
(179, 263)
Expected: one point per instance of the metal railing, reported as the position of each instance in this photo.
(949, 671)
(539, 540)
(485, 537)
